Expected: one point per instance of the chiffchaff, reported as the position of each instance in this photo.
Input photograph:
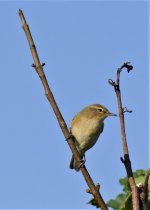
(86, 127)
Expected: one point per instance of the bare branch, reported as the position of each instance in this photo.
(126, 160)
(39, 69)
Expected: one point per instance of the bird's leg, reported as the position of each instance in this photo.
(82, 162)
(84, 158)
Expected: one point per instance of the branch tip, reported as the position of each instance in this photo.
(33, 65)
(111, 82)
(88, 191)
(125, 109)
(20, 11)
(127, 66)
(22, 17)
(122, 160)
(97, 186)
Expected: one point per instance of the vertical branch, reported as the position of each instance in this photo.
(143, 191)
(94, 190)
(126, 160)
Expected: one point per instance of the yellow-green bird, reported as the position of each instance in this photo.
(86, 127)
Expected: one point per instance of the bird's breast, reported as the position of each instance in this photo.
(86, 132)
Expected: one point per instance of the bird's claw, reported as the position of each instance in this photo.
(82, 162)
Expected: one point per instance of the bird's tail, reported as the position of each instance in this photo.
(71, 166)
(74, 164)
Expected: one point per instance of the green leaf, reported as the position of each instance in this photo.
(93, 203)
(116, 204)
(124, 200)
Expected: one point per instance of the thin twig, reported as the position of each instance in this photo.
(143, 191)
(126, 159)
(39, 69)
(146, 183)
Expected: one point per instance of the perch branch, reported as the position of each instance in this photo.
(39, 69)
(126, 159)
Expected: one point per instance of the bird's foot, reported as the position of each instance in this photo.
(84, 158)
(70, 137)
(82, 162)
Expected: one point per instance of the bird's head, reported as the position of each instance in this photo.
(99, 111)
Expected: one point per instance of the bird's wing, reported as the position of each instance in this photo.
(102, 128)
(72, 135)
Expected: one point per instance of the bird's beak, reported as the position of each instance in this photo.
(111, 114)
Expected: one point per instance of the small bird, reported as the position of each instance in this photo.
(86, 127)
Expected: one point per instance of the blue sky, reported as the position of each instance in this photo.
(82, 44)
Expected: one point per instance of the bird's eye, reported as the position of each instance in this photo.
(100, 110)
